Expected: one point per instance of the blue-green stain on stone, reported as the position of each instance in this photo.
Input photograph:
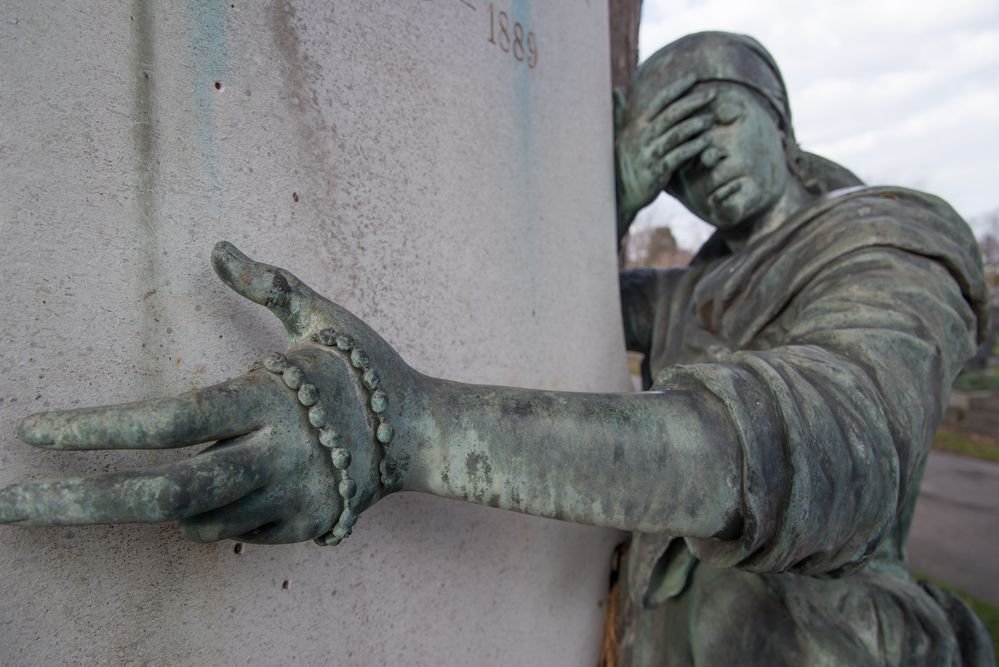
(208, 49)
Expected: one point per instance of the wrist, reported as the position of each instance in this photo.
(355, 405)
(413, 457)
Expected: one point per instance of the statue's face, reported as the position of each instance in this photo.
(751, 174)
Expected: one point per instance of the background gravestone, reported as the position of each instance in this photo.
(452, 189)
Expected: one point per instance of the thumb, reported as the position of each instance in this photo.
(291, 300)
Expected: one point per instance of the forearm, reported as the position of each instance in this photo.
(653, 461)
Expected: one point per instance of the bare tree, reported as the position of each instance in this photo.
(653, 247)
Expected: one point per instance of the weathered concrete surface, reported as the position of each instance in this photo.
(955, 533)
(388, 153)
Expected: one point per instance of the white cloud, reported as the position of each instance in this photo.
(899, 91)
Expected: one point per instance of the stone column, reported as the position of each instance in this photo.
(443, 169)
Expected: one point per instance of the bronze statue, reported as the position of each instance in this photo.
(828, 320)
(798, 369)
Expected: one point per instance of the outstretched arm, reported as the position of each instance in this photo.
(312, 438)
(651, 461)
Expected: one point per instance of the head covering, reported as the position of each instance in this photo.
(739, 59)
(713, 56)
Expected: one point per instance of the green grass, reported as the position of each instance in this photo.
(966, 444)
(977, 380)
(988, 613)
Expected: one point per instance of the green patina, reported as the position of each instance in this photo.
(797, 370)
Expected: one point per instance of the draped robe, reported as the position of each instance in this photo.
(832, 343)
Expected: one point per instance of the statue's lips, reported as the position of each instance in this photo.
(726, 189)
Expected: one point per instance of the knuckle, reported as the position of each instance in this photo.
(280, 290)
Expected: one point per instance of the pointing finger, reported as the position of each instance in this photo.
(213, 413)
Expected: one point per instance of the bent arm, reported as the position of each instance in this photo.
(835, 423)
(652, 461)
(798, 457)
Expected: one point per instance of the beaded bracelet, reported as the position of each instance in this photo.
(308, 396)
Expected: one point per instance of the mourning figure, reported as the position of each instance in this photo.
(796, 372)
(829, 319)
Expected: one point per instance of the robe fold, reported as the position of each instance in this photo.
(832, 342)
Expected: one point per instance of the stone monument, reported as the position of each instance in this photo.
(444, 169)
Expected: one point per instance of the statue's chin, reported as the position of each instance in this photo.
(736, 209)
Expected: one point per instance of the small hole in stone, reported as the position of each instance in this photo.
(284, 585)
(218, 85)
(238, 549)
(294, 196)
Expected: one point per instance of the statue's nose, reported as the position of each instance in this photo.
(711, 156)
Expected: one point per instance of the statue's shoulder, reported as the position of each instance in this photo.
(884, 215)
(879, 200)
(900, 219)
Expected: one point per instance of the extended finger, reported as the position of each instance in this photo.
(291, 300)
(257, 509)
(221, 411)
(679, 134)
(670, 93)
(679, 155)
(680, 110)
(168, 493)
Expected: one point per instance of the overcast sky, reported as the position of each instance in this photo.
(902, 92)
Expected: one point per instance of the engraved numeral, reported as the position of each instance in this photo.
(492, 23)
(524, 47)
(504, 31)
